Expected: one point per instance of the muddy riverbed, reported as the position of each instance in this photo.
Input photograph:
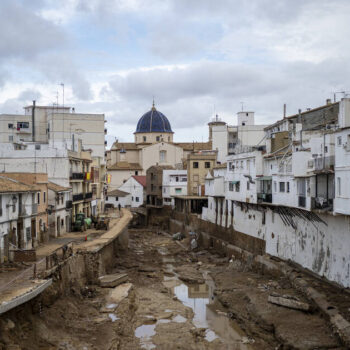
(174, 299)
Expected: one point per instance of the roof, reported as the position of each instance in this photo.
(153, 121)
(141, 179)
(10, 185)
(57, 188)
(194, 146)
(125, 145)
(118, 193)
(125, 166)
(220, 166)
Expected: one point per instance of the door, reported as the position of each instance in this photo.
(58, 224)
(33, 230)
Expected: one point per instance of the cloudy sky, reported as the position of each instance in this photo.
(196, 57)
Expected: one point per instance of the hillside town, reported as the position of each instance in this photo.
(277, 191)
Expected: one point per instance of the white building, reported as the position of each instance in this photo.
(131, 194)
(227, 139)
(18, 209)
(174, 184)
(117, 197)
(60, 204)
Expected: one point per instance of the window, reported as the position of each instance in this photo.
(195, 165)
(248, 185)
(282, 187)
(325, 149)
(38, 197)
(178, 190)
(177, 179)
(230, 186)
(339, 186)
(162, 156)
(207, 165)
(275, 186)
(132, 198)
(263, 219)
(107, 198)
(10, 126)
(11, 138)
(0, 205)
(136, 172)
(157, 138)
(288, 188)
(22, 125)
(339, 140)
(144, 139)
(116, 198)
(44, 196)
(164, 190)
(168, 138)
(37, 147)
(62, 222)
(137, 199)
(237, 187)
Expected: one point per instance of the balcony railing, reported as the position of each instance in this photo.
(322, 203)
(34, 208)
(78, 197)
(69, 204)
(324, 163)
(77, 176)
(301, 201)
(265, 197)
(88, 195)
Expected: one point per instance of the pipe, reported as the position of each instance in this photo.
(33, 121)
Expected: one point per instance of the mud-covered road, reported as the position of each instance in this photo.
(175, 299)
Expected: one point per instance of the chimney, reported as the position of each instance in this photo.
(33, 122)
(328, 101)
(284, 110)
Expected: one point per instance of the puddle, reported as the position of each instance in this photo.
(145, 333)
(198, 297)
(179, 319)
(113, 317)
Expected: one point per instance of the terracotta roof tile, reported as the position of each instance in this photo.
(141, 179)
(57, 188)
(125, 166)
(118, 193)
(11, 185)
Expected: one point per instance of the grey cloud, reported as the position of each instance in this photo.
(25, 34)
(15, 105)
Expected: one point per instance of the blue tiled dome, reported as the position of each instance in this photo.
(153, 121)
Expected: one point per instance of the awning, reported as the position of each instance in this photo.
(234, 182)
(264, 178)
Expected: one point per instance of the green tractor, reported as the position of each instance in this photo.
(81, 223)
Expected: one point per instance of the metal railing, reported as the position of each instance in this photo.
(264, 197)
(302, 201)
(78, 197)
(77, 176)
(324, 163)
(88, 195)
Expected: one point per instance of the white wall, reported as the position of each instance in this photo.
(136, 191)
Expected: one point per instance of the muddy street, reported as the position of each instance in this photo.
(173, 299)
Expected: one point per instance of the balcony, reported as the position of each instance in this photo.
(78, 197)
(301, 201)
(69, 204)
(322, 203)
(34, 208)
(324, 163)
(264, 197)
(88, 195)
(77, 176)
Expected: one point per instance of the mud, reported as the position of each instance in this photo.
(174, 299)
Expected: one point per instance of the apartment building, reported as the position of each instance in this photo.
(174, 184)
(290, 194)
(154, 185)
(18, 216)
(38, 181)
(198, 165)
(59, 209)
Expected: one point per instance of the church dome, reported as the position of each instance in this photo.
(153, 121)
